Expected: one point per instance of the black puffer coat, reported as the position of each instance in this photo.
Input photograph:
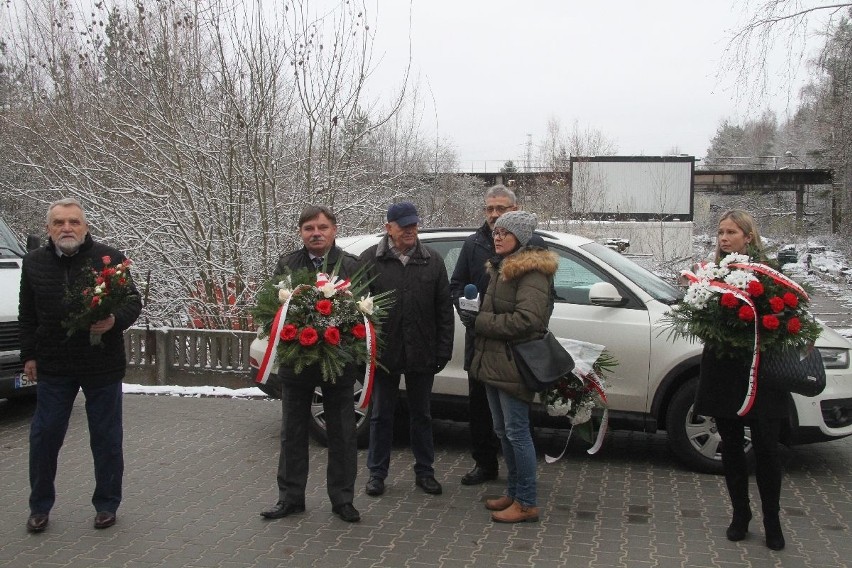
(45, 280)
(516, 308)
(418, 332)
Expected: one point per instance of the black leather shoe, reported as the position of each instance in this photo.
(428, 484)
(104, 519)
(282, 509)
(37, 522)
(478, 475)
(376, 486)
(347, 512)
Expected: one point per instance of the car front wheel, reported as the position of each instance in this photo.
(694, 438)
(362, 419)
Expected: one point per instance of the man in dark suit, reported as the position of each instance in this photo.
(318, 229)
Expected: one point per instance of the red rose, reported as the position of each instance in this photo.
(770, 322)
(728, 300)
(324, 307)
(331, 335)
(106, 259)
(776, 303)
(95, 301)
(794, 325)
(308, 336)
(359, 331)
(99, 280)
(791, 300)
(288, 332)
(755, 288)
(746, 313)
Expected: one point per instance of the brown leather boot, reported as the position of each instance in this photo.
(499, 504)
(516, 513)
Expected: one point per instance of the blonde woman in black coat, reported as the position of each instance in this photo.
(722, 387)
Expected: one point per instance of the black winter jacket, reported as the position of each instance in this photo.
(418, 331)
(45, 280)
(470, 269)
(298, 260)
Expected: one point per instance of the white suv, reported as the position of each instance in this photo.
(605, 298)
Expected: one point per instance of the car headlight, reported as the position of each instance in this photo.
(834, 358)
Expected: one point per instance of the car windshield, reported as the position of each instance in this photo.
(655, 286)
(9, 245)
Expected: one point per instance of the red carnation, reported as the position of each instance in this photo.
(359, 331)
(770, 322)
(755, 288)
(728, 300)
(95, 301)
(331, 335)
(308, 336)
(794, 325)
(746, 313)
(288, 332)
(791, 300)
(776, 303)
(324, 307)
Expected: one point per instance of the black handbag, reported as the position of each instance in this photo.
(542, 362)
(786, 371)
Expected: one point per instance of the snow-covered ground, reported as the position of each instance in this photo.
(173, 390)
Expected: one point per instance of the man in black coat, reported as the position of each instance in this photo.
(418, 342)
(470, 269)
(318, 229)
(63, 363)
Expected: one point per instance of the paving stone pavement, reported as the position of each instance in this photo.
(198, 471)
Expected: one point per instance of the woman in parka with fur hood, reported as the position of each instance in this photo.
(516, 308)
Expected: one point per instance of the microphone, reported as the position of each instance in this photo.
(470, 301)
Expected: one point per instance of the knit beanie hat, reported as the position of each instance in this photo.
(519, 223)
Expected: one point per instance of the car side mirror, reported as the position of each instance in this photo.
(605, 294)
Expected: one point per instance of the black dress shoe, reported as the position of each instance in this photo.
(37, 522)
(282, 509)
(478, 475)
(104, 519)
(375, 486)
(428, 484)
(347, 512)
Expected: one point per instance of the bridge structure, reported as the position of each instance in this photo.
(732, 181)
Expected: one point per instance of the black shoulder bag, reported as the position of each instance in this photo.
(542, 362)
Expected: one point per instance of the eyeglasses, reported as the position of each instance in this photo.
(497, 209)
(500, 233)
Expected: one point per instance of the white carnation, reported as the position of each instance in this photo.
(559, 408)
(328, 290)
(739, 279)
(584, 414)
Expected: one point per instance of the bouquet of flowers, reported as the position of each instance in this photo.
(579, 393)
(319, 319)
(742, 308)
(96, 296)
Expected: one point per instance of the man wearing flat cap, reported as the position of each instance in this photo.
(418, 343)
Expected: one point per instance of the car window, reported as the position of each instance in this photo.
(574, 278)
(449, 250)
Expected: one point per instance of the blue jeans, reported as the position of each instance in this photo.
(418, 388)
(511, 417)
(47, 433)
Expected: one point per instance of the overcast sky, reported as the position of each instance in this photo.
(645, 74)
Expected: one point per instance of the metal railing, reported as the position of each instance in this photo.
(162, 356)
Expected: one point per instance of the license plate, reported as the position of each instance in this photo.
(23, 381)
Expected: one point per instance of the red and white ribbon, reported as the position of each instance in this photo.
(274, 337)
(369, 373)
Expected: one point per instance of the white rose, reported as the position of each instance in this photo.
(365, 305)
(328, 290)
(284, 295)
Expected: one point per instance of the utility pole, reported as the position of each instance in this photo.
(529, 153)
